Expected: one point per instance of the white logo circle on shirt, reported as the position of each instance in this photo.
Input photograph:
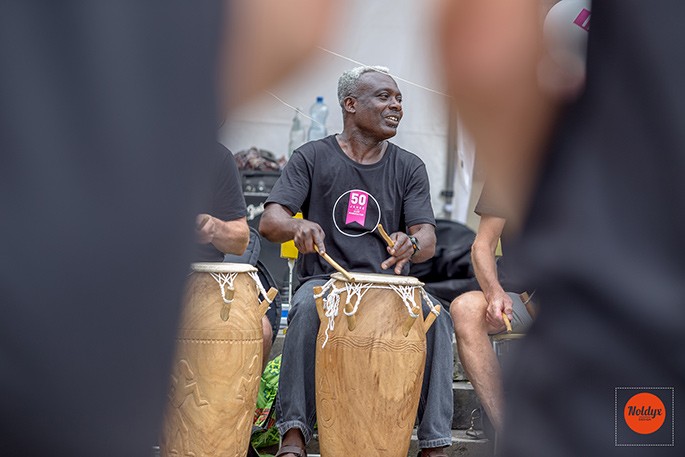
(356, 213)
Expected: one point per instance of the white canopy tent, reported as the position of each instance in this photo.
(397, 34)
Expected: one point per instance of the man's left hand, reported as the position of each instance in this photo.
(400, 253)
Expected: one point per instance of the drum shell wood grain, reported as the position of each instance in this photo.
(216, 371)
(368, 381)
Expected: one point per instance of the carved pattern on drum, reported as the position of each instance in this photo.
(406, 415)
(247, 390)
(223, 359)
(183, 385)
(326, 400)
(371, 344)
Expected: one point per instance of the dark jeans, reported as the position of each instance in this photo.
(296, 401)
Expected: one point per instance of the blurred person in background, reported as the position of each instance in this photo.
(106, 120)
(593, 180)
(478, 314)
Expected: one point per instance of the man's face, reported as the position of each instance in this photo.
(378, 105)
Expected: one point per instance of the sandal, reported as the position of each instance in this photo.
(297, 451)
(440, 454)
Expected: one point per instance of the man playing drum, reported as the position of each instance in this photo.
(223, 228)
(345, 185)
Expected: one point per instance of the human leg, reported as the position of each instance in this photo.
(476, 354)
(436, 404)
(296, 401)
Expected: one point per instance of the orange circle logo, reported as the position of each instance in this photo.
(644, 413)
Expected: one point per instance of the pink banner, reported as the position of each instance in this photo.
(583, 20)
(356, 208)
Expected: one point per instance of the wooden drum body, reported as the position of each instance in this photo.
(370, 358)
(217, 367)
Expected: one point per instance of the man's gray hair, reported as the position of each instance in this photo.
(348, 80)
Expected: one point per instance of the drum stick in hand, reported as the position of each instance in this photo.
(334, 264)
(507, 322)
(385, 236)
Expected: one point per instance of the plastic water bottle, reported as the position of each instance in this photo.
(318, 112)
(297, 134)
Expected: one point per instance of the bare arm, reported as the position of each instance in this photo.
(483, 258)
(403, 250)
(229, 237)
(278, 225)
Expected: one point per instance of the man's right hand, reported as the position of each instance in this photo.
(307, 235)
(498, 303)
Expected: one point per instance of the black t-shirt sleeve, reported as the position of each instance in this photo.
(417, 201)
(486, 206)
(228, 201)
(292, 188)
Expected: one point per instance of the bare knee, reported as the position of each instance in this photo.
(468, 311)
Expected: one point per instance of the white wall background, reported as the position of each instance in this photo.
(392, 33)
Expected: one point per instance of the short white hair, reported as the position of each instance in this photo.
(349, 79)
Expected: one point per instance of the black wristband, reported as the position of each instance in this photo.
(414, 244)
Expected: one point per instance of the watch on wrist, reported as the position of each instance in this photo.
(414, 244)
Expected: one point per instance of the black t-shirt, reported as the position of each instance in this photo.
(107, 115)
(348, 200)
(486, 206)
(227, 201)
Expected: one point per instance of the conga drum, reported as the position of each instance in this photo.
(217, 366)
(370, 357)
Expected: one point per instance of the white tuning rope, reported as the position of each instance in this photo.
(225, 279)
(331, 304)
(356, 291)
(325, 288)
(530, 297)
(255, 277)
(426, 297)
(407, 295)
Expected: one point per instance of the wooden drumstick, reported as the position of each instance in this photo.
(430, 319)
(334, 264)
(319, 301)
(507, 322)
(264, 305)
(385, 236)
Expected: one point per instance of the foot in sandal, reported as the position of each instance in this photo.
(290, 450)
(432, 452)
(292, 444)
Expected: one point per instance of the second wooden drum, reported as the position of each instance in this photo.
(218, 363)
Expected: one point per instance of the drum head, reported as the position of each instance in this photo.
(222, 267)
(377, 278)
